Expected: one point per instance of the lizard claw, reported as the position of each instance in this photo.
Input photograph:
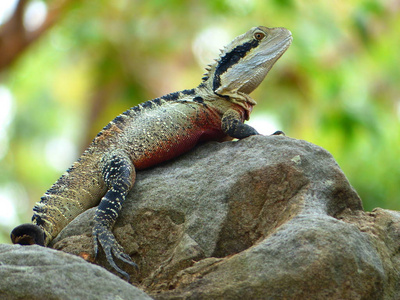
(104, 237)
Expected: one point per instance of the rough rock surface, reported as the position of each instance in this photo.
(38, 273)
(261, 218)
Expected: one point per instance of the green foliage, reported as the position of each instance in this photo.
(337, 86)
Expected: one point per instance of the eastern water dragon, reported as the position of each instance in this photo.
(151, 133)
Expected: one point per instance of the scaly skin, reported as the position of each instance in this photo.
(153, 132)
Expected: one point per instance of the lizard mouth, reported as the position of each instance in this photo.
(281, 45)
(276, 50)
(267, 58)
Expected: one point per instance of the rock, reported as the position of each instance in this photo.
(34, 272)
(261, 218)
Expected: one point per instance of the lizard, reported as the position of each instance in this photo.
(153, 132)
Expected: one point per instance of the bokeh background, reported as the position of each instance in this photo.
(67, 67)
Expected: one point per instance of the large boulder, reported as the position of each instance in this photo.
(37, 273)
(261, 218)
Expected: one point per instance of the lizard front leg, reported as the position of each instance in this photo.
(119, 176)
(233, 126)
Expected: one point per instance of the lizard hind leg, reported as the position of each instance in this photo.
(119, 175)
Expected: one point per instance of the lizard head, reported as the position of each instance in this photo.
(244, 63)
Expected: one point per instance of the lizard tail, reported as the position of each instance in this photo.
(28, 234)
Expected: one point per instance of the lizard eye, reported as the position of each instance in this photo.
(259, 36)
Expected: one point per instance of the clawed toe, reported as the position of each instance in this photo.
(125, 258)
(111, 248)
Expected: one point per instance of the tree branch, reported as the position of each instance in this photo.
(15, 39)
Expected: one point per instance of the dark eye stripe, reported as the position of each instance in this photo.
(230, 59)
